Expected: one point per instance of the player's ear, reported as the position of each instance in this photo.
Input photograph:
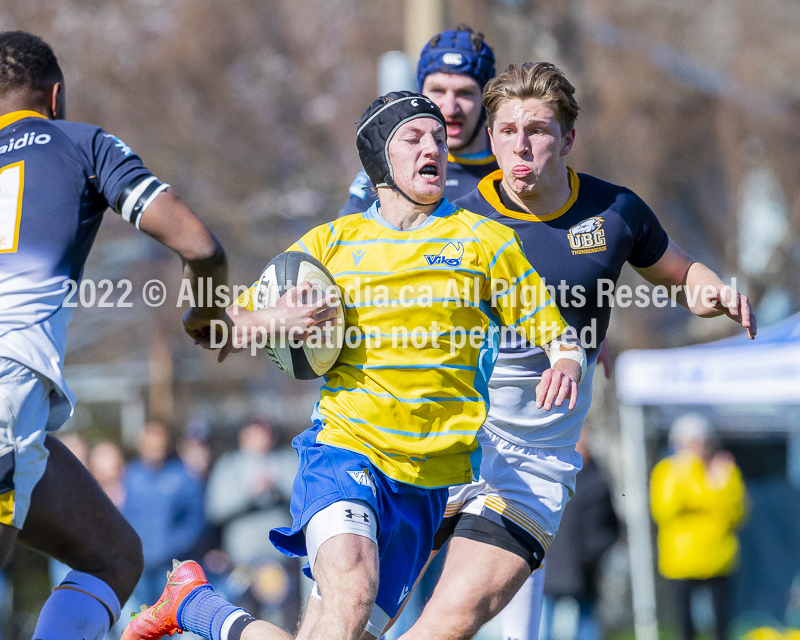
(569, 140)
(491, 140)
(56, 105)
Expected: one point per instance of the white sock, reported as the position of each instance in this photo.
(82, 607)
(520, 619)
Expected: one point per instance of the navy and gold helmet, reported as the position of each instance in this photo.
(460, 51)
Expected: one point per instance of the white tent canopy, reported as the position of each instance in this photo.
(735, 371)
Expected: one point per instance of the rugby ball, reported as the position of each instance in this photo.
(314, 356)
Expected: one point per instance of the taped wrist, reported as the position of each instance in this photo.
(137, 196)
(566, 348)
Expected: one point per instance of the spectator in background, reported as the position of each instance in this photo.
(164, 503)
(107, 464)
(698, 500)
(249, 491)
(589, 527)
(194, 449)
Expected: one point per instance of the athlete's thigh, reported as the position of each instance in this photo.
(346, 560)
(72, 519)
(477, 581)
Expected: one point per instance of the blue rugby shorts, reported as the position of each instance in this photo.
(408, 516)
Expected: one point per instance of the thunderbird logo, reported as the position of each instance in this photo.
(451, 255)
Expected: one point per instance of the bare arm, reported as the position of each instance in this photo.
(704, 294)
(171, 222)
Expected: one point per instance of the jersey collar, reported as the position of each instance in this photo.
(487, 159)
(15, 116)
(488, 190)
(444, 209)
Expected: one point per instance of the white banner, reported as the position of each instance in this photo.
(742, 374)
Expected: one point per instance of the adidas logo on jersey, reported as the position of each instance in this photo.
(587, 236)
(363, 478)
(26, 140)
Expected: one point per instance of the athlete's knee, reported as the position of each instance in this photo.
(130, 561)
(445, 627)
(459, 618)
(354, 579)
(120, 564)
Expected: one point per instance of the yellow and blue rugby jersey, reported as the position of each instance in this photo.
(414, 407)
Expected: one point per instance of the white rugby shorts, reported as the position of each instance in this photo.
(523, 488)
(24, 413)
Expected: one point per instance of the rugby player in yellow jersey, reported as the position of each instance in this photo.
(395, 424)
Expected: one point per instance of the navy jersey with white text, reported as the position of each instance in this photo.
(56, 180)
(581, 248)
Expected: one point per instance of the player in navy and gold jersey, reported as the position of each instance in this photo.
(397, 418)
(452, 70)
(578, 232)
(56, 180)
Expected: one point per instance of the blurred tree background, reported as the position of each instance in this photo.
(248, 108)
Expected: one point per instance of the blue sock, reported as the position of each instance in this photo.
(204, 612)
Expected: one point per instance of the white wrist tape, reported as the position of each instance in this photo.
(564, 349)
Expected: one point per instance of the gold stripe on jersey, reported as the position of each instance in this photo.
(471, 161)
(16, 116)
(488, 190)
(414, 396)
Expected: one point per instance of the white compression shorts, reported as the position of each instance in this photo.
(525, 489)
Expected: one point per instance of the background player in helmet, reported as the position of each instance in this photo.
(56, 180)
(395, 426)
(452, 70)
(579, 231)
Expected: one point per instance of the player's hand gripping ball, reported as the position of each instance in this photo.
(319, 351)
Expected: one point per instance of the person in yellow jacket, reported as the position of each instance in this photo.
(698, 500)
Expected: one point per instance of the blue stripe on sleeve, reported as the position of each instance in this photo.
(479, 223)
(500, 252)
(529, 272)
(549, 303)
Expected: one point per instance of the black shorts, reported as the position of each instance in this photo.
(498, 534)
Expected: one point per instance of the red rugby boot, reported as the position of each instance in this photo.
(161, 619)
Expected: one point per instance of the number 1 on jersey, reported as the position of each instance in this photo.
(12, 177)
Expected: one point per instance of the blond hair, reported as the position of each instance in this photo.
(542, 81)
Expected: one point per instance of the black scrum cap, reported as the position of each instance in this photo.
(380, 122)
